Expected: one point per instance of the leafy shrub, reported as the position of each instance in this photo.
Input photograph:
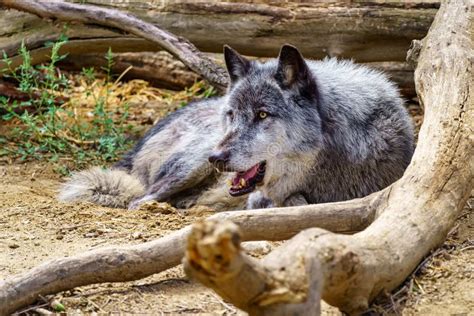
(44, 128)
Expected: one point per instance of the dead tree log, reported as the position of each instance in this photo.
(120, 264)
(364, 30)
(414, 218)
(352, 24)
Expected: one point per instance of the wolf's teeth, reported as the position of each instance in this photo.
(229, 182)
(242, 182)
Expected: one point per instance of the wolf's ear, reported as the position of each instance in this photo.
(293, 72)
(237, 65)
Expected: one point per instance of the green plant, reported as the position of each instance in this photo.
(47, 127)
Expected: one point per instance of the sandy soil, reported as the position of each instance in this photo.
(34, 227)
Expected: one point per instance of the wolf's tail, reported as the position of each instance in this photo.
(110, 187)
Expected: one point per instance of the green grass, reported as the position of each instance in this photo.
(43, 129)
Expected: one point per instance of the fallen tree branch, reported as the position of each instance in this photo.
(414, 218)
(367, 30)
(85, 40)
(120, 264)
(178, 47)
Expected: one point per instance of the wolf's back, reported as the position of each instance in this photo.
(106, 187)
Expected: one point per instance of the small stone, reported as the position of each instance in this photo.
(91, 235)
(137, 235)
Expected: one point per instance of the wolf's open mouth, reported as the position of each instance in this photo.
(245, 181)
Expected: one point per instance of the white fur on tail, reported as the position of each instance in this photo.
(106, 187)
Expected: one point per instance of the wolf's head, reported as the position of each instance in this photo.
(271, 119)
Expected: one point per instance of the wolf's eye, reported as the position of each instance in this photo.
(262, 115)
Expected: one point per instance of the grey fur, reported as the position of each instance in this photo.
(334, 131)
(114, 188)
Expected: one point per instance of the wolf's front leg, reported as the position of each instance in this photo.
(179, 173)
(257, 200)
(164, 188)
(295, 200)
(135, 204)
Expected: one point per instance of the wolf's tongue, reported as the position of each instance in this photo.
(245, 182)
(246, 175)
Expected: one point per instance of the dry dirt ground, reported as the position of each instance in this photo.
(34, 228)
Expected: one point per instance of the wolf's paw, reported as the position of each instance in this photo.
(296, 199)
(135, 204)
(258, 200)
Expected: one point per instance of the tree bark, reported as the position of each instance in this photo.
(414, 218)
(364, 30)
(120, 264)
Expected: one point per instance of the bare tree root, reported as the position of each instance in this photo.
(414, 217)
(120, 264)
(177, 46)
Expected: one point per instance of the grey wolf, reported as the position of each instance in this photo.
(289, 131)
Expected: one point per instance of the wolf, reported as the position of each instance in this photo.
(289, 131)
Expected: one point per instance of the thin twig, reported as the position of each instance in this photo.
(24, 311)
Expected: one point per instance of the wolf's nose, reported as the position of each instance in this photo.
(219, 159)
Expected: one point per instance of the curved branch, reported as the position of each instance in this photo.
(177, 46)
